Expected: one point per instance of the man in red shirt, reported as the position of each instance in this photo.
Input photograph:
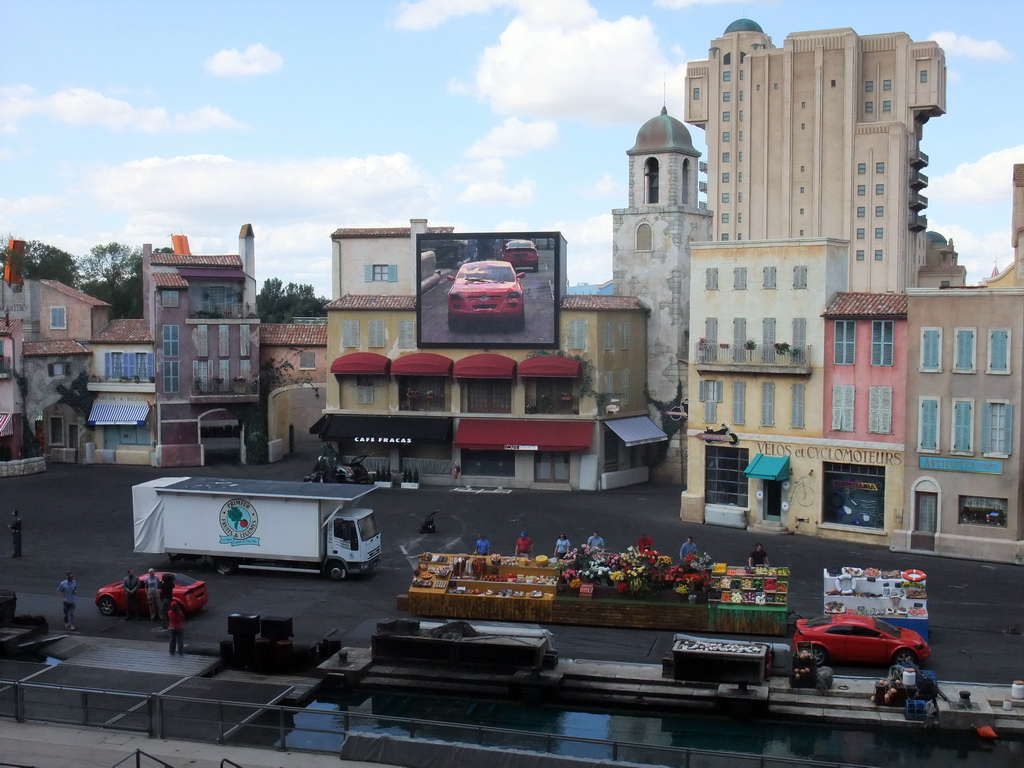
(644, 543)
(176, 622)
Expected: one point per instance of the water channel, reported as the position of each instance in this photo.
(892, 748)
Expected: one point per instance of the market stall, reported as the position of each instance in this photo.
(898, 597)
(631, 589)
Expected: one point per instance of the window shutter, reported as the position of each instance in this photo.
(392, 273)
(930, 349)
(129, 365)
(797, 411)
(225, 369)
(739, 405)
(609, 336)
(407, 334)
(929, 425)
(624, 376)
(368, 273)
(376, 333)
(800, 333)
(1008, 430)
(577, 332)
(769, 277)
(962, 426)
(964, 350)
(739, 332)
(243, 340)
(711, 278)
(986, 427)
(625, 335)
(768, 404)
(149, 365)
(108, 366)
(998, 350)
(223, 342)
(718, 390)
(350, 333)
(702, 390)
(203, 340)
(768, 334)
(711, 330)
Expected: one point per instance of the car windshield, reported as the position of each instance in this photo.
(889, 629)
(490, 273)
(181, 580)
(513, 244)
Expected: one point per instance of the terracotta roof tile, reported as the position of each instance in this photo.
(293, 334)
(179, 260)
(47, 347)
(124, 331)
(373, 302)
(74, 293)
(385, 231)
(7, 326)
(169, 280)
(593, 301)
(867, 305)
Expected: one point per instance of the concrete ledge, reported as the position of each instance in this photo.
(22, 467)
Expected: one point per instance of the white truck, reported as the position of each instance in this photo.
(260, 524)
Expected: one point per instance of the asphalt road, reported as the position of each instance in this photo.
(80, 518)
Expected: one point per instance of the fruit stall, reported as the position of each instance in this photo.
(900, 597)
(507, 588)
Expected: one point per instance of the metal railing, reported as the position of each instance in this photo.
(325, 731)
(782, 355)
(217, 386)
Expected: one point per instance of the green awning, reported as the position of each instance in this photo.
(768, 467)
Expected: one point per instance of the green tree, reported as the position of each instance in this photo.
(279, 303)
(44, 262)
(113, 273)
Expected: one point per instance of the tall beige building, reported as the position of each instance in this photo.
(821, 139)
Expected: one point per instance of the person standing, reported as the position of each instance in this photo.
(758, 556)
(483, 545)
(176, 621)
(595, 542)
(644, 543)
(524, 544)
(688, 548)
(166, 595)
(152, 585)
(15, 526)
(562, 545)
(67, 590)
(131, 586)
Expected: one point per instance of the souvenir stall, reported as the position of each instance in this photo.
(898, 597)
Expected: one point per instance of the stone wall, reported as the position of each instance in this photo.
(21, 467)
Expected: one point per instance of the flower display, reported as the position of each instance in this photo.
(634, 572)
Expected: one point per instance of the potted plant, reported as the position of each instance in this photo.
(750, 344)
(782, 347)
(410, 480)
(383, 478)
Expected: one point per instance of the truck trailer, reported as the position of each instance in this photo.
(258, 524)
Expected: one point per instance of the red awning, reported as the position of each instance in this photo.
(515, 435)
(550, 366)
(422, 364)
(485, 367)
(364, 363)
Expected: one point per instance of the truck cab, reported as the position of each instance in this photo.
(353, 543)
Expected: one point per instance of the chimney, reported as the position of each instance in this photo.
(180, 243)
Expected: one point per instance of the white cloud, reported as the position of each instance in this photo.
(561, 60)
(969, 48)
(81, 106)
(677, 4)
(985, 182)
(606, 187)
(496, 193)
(257, 59)
(589, 248)
(979, 252)
(430, 14)
(514, 137)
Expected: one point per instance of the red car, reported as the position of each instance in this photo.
(521, 254)
(189, 593)
(486, 292)
(860, 639)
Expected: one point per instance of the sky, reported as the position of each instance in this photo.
(134, 121)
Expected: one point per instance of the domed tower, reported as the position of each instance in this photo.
(651, 244)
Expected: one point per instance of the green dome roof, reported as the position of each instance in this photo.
(744, 25)
(936, 238)
(663, 134)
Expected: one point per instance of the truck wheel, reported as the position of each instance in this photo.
(107, 605)
(336, 571)
(225, 566)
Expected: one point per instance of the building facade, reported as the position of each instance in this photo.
(293, 361)
(821, 138)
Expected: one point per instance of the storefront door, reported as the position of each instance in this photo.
(926, 511)
(771, 504)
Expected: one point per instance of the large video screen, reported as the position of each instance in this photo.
(492, 289)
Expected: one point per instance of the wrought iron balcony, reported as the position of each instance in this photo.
(780, 357)
(217, 387)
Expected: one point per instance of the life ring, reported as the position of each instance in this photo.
(844, 584)
(914, 576)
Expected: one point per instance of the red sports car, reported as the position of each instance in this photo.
(486, 292)
(189, 593)
(521, 254)
(860, 639)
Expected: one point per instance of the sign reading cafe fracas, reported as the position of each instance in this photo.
(404, 440)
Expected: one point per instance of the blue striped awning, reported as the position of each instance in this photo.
(108, 414)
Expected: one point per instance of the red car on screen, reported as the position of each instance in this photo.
(859, 639)
(521, 254)
(486, 293)
(189, 593)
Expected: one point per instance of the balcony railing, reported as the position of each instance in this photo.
(221, 311)
(5, 367)
(779, 355)
(546, 404)
(422, 402)
(215, 386)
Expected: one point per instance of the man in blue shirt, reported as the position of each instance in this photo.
(688, 548)
(595, 542)
(483, 545)
(67, 590)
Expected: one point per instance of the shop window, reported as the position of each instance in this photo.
(854, 495)
(488, 463)
(982, 510)
(421, 393)
(125, 434)
(551, 467)
(488, 395)
(724, 480)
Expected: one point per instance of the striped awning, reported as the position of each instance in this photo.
(637, 430)
(110, 414)
(6, 424)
